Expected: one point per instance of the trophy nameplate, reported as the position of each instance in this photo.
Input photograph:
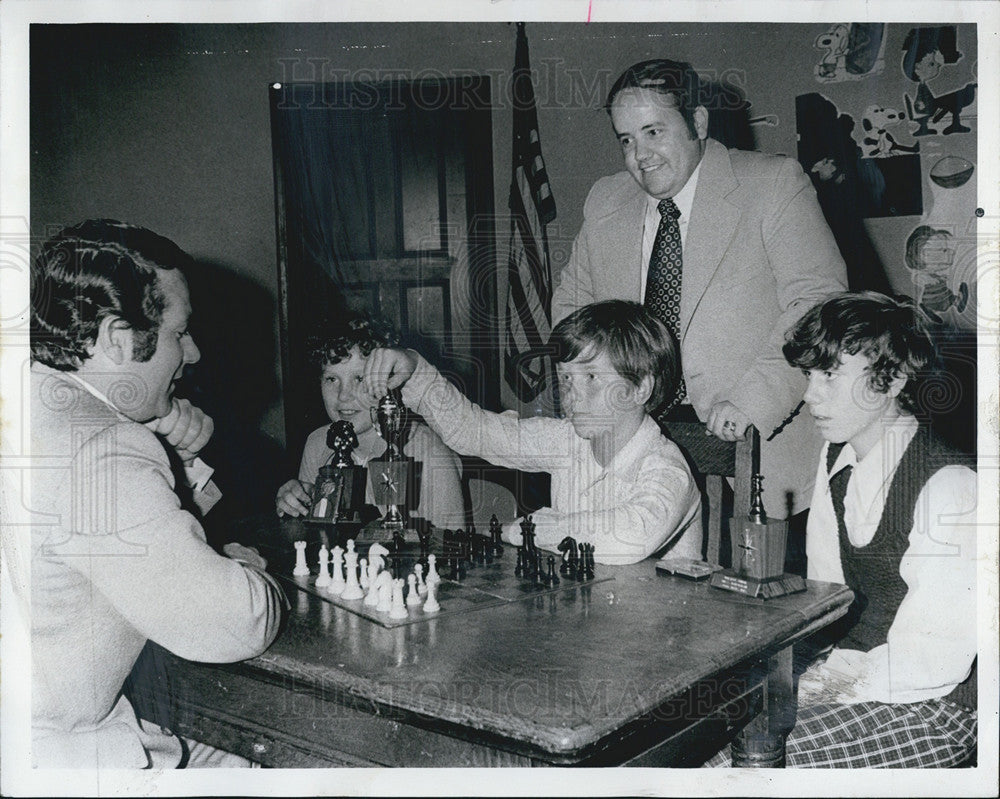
(758, 549)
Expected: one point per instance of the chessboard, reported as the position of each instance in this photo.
(469, 580)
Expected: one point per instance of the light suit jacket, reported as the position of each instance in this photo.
(757, 255)
(116, 561)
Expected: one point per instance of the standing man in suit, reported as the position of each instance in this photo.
(728, 247)
(115, 559)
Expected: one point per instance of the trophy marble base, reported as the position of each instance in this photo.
(377, 532)
(729, 580)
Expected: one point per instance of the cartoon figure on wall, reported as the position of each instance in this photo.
(878, 142)
(852, 51)
(925, 52)
(930, 256)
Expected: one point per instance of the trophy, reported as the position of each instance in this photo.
(758, 546)
(336, 488)
(391, 475)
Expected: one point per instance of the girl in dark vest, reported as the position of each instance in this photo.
(893, 516)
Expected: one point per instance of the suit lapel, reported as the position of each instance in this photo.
(711, 228)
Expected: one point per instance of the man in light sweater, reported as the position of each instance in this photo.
(115, 560)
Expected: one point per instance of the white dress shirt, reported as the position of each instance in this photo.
(629, 509)
(932, 640)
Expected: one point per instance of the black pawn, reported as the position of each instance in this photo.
(553, 578)
(541, 576)
(495, 531)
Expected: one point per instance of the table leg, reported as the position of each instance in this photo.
(761, 744)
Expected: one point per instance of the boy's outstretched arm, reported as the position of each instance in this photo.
(503, 439)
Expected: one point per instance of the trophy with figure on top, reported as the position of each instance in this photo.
(392, 474)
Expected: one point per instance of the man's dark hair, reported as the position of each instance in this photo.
(336, 339)
(891, 333)
(637, 343)
(88, 272)
(676, 79)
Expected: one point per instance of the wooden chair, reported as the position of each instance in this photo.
(716, 460)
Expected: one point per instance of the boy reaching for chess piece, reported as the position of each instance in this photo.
(340, 356)
(893, 516)
(617, 483)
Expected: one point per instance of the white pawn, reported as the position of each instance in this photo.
(431, 604)
(421, 585)
(398, 609)
(432, 575)
(364, 573)
(324, 567)
(301, 569)
(412, 596)
(336, 586)
(352, 590)
(384, 593)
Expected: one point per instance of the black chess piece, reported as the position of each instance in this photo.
(541, 576)
(568, 549)
(519, 567)
(528, 534)
(495, 532)
(588, 568)
(581, 566)
(553, 578)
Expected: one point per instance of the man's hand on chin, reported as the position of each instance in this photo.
(186, 428)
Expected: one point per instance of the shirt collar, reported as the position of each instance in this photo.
(94, 392)
(684, 199)
(636, 447)
(882, 460)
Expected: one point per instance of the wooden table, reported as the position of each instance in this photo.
(638, 670)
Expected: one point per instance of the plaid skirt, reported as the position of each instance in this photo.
(931, 734)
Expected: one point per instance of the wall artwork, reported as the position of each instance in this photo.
(851, 51)
(880, 172)
(926, 54)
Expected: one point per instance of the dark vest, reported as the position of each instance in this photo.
(872, 571)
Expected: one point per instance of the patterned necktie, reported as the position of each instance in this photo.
(838, 490)
(663, 281)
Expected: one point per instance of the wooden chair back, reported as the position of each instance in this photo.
(717, 460)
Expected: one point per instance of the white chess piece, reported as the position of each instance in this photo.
(301, 569)
(432, 575)
(352, 590)
(412, 595)
(431, 604)
(324, 567)
(384, 592)
(363, 565)
(374, 566)
(418, 569)
(371, 598)
(336, 586)
(398, 609)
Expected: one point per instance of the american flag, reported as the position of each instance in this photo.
(527, 368)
